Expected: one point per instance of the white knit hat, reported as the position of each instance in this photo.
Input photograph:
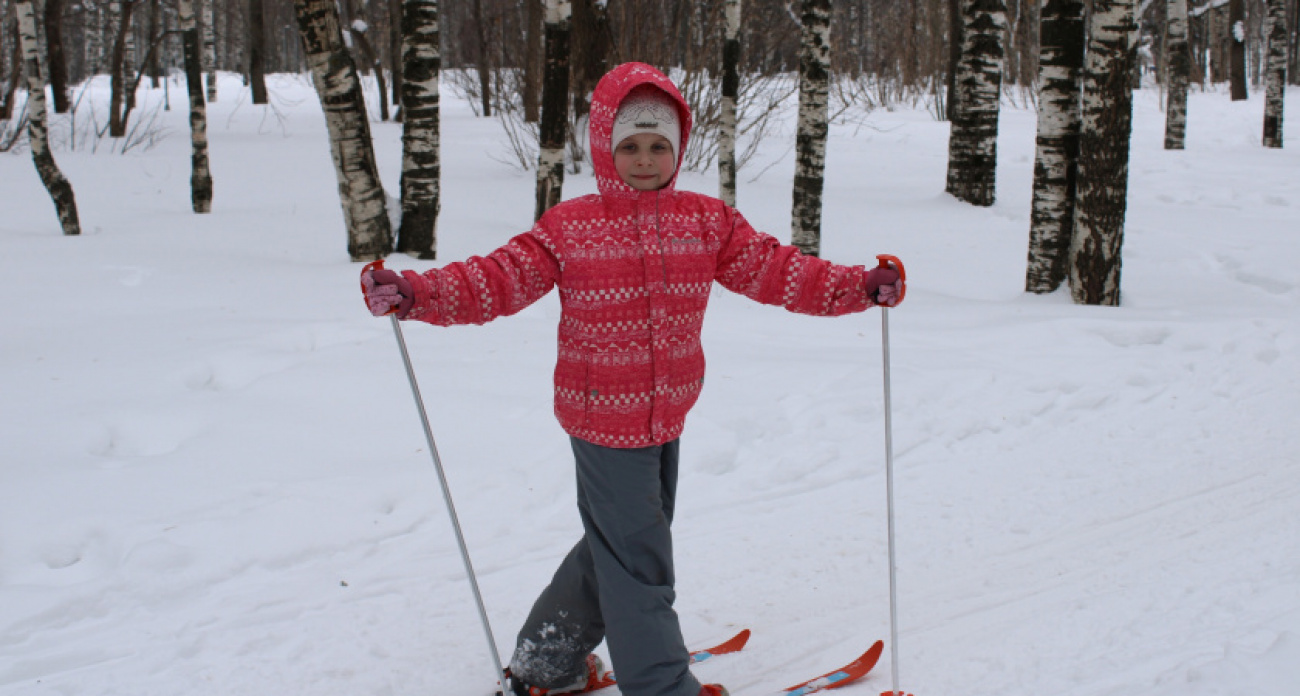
(647, 109)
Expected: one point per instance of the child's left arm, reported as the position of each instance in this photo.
(759, 267)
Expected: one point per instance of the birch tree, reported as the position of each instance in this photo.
(200, 176)
(810, 141)
(365, 51)
(65, 204)
(730, 91)
(421, 151)
(118, 66)
(1237, 49)
(555, 107)
(1178, 60)
(973, 143)
(370, 235)
(534, 59)
(14, 76)
(95, 16)
(209, 11)
(1057, 151)
(1275, 76)
(484, 59)
(257, 51)
(58, 63)
(1103, 154)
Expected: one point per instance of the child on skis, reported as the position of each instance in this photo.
(634, 265)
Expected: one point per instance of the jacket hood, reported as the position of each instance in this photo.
(610, 91)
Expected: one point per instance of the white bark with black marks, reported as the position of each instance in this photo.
(1056, 155)
(814, 114)
(1275, 73)
(421, 150)
(973, 143)
(65, 204)
(370, 234)
(1178, 52)
(1102, 199)
(555, 107)
(200, 176)
(730, 91)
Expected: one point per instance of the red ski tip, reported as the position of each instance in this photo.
(894, 693)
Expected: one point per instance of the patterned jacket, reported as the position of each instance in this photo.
(634, 270)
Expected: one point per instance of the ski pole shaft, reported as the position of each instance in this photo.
(887, 262)
(889, 504)
(451, 507)
(446, 494)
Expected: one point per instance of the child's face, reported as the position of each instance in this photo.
(645, 161)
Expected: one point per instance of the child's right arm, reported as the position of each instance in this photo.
(482, 288)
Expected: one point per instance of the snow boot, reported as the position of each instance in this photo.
(595, 670)
(714, 690)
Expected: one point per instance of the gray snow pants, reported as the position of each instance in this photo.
(617, 582)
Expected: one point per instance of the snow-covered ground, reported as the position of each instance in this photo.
(213, 479)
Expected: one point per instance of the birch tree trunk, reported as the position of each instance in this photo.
(369, 56)
(256, 51)
(973, 144)
(555, 107)
(209, 10)
(730, 91)
(370, 235)
(421, 151)
(810, 141)
(1294, 44)
(956, 28)
(1276, 73)
(94, 37)
(588, 56)
(15, 71)
(395, 54)
(1179, 60)
(534, 60)
(1237, 49)
(1103, 155)
(118, 68)
(484, 60)
(154, 63)
(65, 204)
(1056, 157)
(200, 177)
(58, 70)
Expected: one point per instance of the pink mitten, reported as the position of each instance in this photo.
(890, 295)
(883, 285)
(386, 292)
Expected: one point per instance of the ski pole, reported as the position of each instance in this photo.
(887, 261)
(446, 489)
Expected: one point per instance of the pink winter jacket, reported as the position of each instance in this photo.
(634, 269)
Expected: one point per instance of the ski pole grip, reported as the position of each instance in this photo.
(887, 261)
(374, 266)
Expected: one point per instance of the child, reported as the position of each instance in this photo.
(634, 265)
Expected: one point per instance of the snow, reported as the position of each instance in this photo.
(215, 481)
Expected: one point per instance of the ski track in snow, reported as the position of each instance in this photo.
(214, 480)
